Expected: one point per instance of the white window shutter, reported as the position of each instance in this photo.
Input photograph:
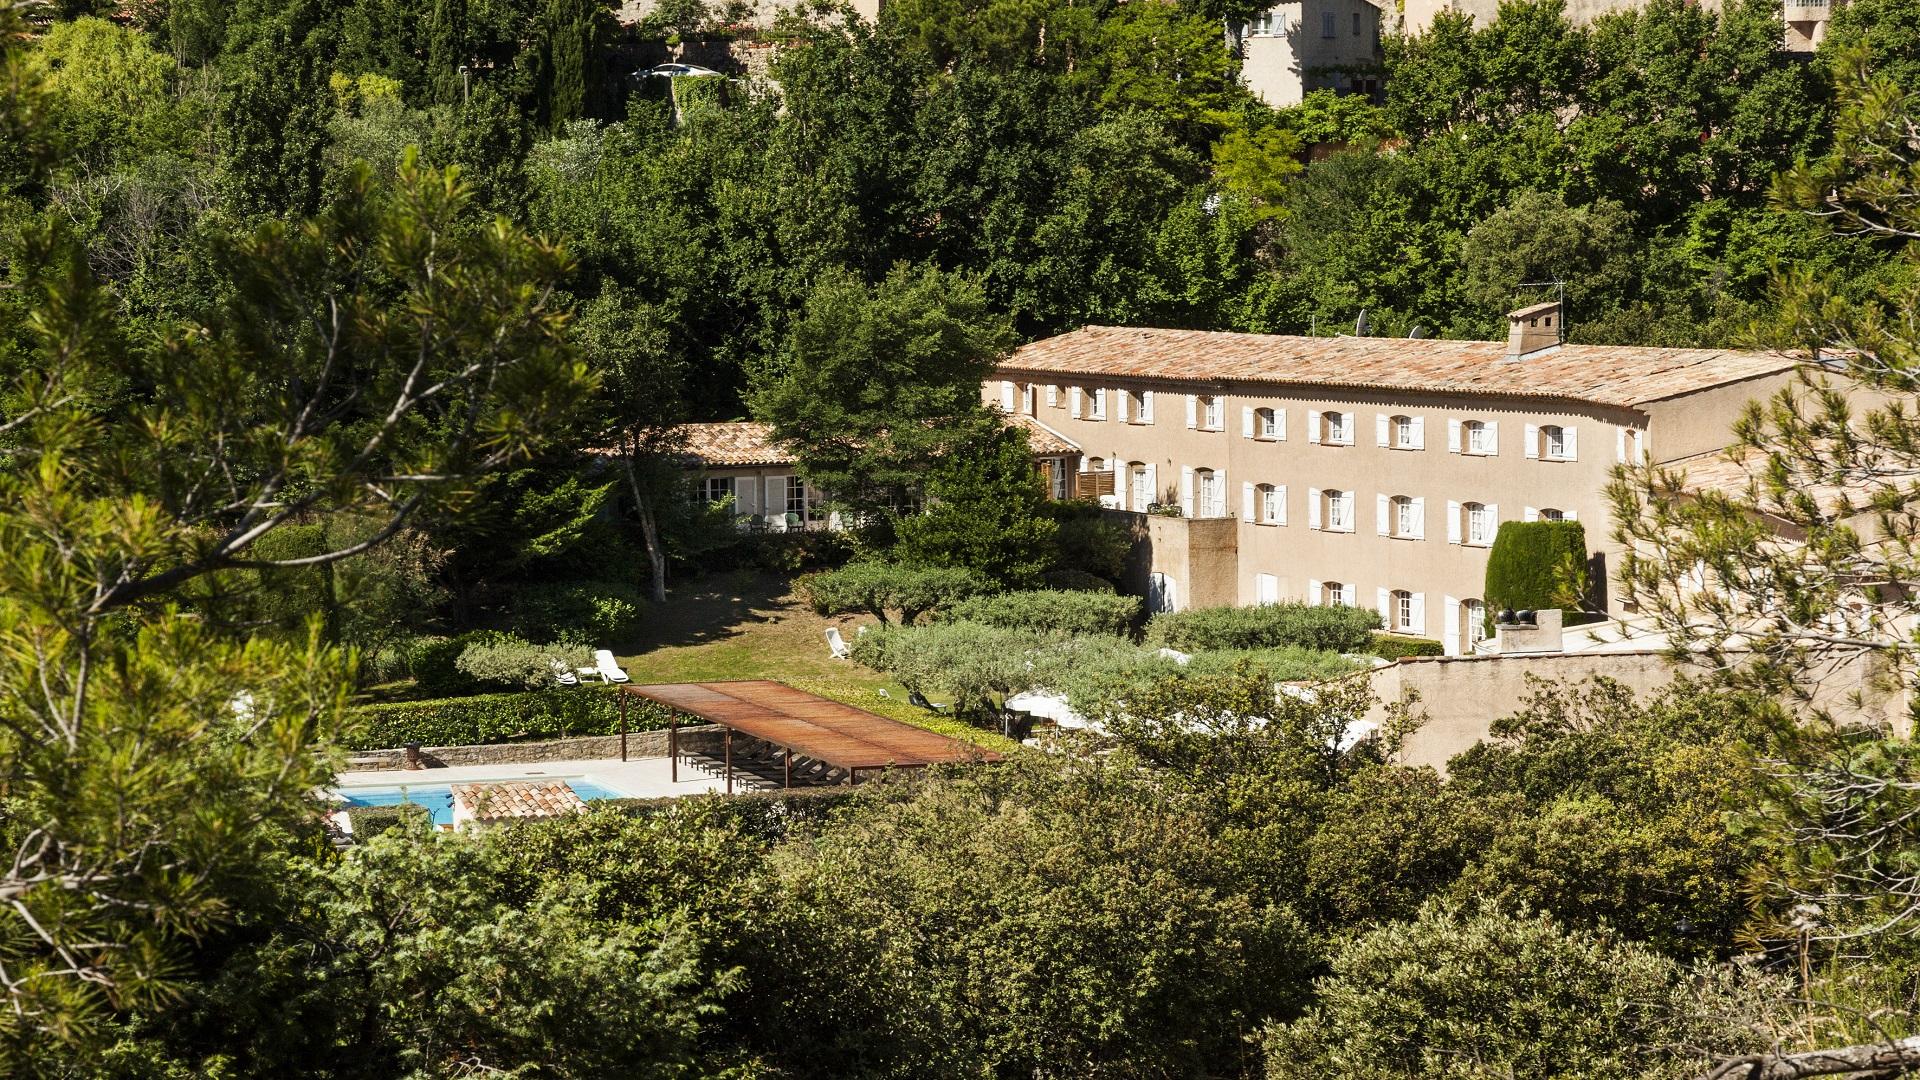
(1313, 591)
(1193, 411)
(1146, 406)
(1573, 515)
(1053, 395)
(1153, 489)
(1313, 508)
(1453, 522)
(1572, 438)
(1280, 504)
(1186, 490)
(1528, 513)
(1380, 428)
(1380, 510)
(1313, 425)
(1493, 436)
(1279, 423)
(1073, 401)
(1084, 467)
(1533, 441)
(1453, 435)
(1419, 433)
(1639, 445)
(1246, 501)
(1220, 489)
(1246, 422)
(1420, 517)
(1419, 620)
(776, 496)
(1121, 405)
(1493, 518)
(1450, 625)
(1006, 397)
(1383, 602)
(1620, 445)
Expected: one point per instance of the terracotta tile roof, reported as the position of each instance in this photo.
(501, 801)
(1616, 375)
(743, 443)
(1736, 472)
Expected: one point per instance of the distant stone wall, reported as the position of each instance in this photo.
(640, 744)
(1462, 696)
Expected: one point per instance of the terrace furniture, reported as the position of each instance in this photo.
(562, 674)
(915, 697)
(605, 666)
(837, 645)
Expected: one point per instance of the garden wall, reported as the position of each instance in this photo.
(640, 744)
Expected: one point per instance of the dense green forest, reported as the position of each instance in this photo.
(309, 310)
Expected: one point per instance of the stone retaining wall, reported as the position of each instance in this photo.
(640, 744)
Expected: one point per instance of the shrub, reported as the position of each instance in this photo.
(764, 815)
(1538, 564)
(1395, 647)
(435, 663)
(593, 611)
(1268, 626)
(877, 588)
(497, 718)
(1088, 541)
(1289, 663)
(1076, 581)
(508, 661)
(1050, 611)
(368, 822)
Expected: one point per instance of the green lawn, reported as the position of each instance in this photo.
(751, 626)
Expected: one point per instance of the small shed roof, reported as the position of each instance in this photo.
(812, 726)
(504, 800)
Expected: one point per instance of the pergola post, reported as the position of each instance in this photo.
(673, 746)
(789, 766)
(729, 741)
(623, 725)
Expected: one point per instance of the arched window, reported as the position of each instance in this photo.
(1406, 433)
(1210, 495)
(1480, 526)
(1338, 510)
(1336, 428)
(1400, 611)
(1548, 513)
(1265, 424)
(1553, 442)
(1405, 514)
(1334, 594)
(1095, 464)
(1479, 437)
(1140, 485)
(1267, 505)
(1213, 413)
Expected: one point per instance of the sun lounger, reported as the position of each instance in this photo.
(562, 674)
(837, 644)
(608, 669)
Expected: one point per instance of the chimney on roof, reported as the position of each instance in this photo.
(1534, 329)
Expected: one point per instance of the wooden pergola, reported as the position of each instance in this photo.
(804, 725)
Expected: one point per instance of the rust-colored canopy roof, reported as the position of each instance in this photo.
(812, 726)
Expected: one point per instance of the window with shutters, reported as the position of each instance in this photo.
(1401, 605)
(1057, 477)
(1141, 484)
(1327, 24)
(1404, 437)
(1053, 395)
(1269, 23)
(1405, 517)
(1336, 428)
(1553, 442)
(715, 488)
(1138, 411)
(1479, 523)
(1265, 424)
(1473, 619)
(1338, 509)
(1548, 513)
(1213, 413)
(1210, 494)
(1333, 594)
(1479, 437)
(1267, 504)
(1097, 405)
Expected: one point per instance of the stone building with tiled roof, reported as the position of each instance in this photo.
(1365, 471)
(740, 460)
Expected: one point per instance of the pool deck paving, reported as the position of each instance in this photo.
(639, 778)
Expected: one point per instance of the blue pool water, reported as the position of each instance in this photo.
(438, 798)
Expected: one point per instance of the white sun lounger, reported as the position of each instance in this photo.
(563, 674)
(837, 644)
(606, 667)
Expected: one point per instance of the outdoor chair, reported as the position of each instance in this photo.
(837, 645)
(562, 674)
(607, 667)
(915, 697)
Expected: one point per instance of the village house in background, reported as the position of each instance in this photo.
(1362, 471)
(1293, 49)
(740, 461)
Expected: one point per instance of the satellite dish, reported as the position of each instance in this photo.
(1417, 333)
(1360, 324)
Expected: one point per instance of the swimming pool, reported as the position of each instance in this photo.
(438, 798)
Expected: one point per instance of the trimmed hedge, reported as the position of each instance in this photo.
(1537, 564)
(498, 718)
(768, 815)
(1395, 647)
(1052, 611)
(368, 822)
(1267, 626)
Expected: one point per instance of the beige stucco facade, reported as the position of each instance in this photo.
(1806, 22)
(1294, 48)
(1421, 498)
